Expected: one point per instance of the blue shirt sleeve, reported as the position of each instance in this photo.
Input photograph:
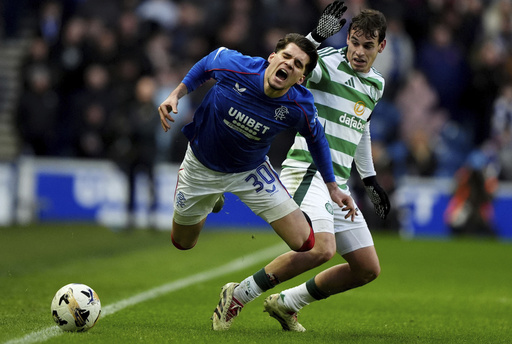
(201, 71)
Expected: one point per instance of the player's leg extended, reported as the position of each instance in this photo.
(197, 191)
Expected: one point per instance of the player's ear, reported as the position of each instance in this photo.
(382, 45)
(301, 80)
(271, 56)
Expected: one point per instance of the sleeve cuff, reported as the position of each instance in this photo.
(312, 40)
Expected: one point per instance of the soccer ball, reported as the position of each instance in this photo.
(76, 307)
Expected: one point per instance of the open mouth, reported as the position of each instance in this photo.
(358, 60)
(281, 74)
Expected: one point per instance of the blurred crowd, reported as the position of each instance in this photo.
(97, 70)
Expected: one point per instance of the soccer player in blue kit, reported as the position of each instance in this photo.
(252, 101)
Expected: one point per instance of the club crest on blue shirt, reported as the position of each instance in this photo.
(281, 112)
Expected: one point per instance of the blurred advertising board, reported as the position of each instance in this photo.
(7, 192)
(422, 203)
(69, 190)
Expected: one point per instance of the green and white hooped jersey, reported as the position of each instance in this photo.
(345, 100)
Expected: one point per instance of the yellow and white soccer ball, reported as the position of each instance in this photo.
(76, 307)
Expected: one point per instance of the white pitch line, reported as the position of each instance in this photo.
(236, 265)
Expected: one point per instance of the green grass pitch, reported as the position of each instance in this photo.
(430, 291)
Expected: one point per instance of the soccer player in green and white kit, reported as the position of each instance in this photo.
(346, 89)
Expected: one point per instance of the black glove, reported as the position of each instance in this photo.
(330, 21)
(378, 196)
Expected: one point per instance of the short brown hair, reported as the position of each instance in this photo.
(304, 44)
(368, 22)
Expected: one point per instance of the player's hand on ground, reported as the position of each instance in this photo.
(331, 21)
(378, 196)
(344, 201)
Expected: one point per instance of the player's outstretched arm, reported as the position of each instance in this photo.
(331, 21)
(343, 200)
(170, 104)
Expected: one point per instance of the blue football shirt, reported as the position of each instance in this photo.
(236, 122)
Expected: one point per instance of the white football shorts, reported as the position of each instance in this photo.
(311, 194)
(199, 187)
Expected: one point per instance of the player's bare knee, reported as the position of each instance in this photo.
(324, 249)
(181, 245)
(368, 275)
(322, 254)
(309, 243)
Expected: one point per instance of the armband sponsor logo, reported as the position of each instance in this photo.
(245, 124)
(351, 122)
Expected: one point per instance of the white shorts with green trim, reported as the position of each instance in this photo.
(311, 194)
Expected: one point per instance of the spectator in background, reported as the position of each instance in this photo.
(96, 92)
(290, 15)
(163, 13)
(131, 36)
(501, 134)
(102, 47)
(143, 123)
(397, 61)
(470, 210)
(487, 75)
(443, 63)
(50, 21)
(37, 113)
(70, 55)
(418, 103)
(100, 10)
(125, 74)
(157, 49)
(497, 19)
(421, 157)
(39, 55)
(193, 37)
(239, 30)
(92, 132)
